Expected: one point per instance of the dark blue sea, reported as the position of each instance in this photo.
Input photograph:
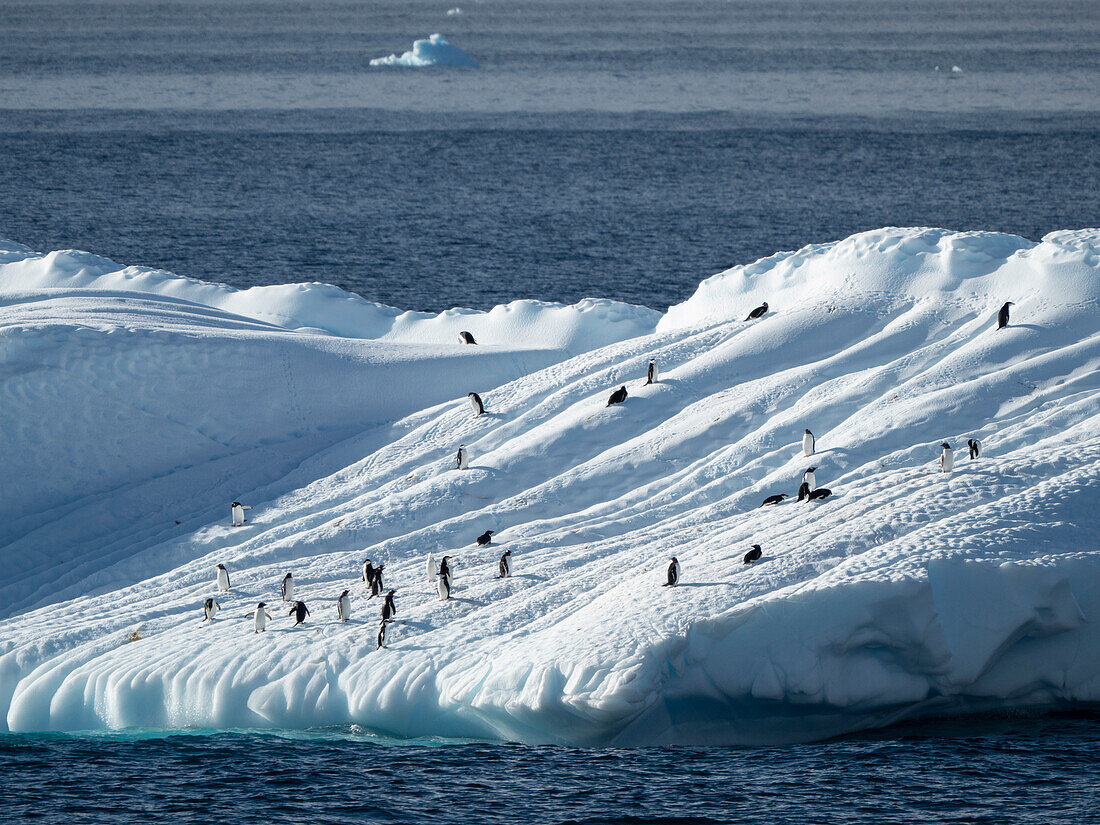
(614, 148)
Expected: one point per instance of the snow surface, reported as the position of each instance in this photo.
(134, 399)
(435, 51)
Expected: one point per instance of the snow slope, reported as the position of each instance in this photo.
(907, 592)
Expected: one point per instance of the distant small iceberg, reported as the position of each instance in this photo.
(435, 51)
(454, 12)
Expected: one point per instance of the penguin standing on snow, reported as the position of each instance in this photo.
(262, 617)
(299, 612)
(617, 397)
(485, 538)
(803, 491)
(343, 607)
(758, 312)
(466, 338)
(947, 458)
(475, 403)
(223, 579)
(462, 460)
(368, 572)
(443, 580)
(505, 565)
(237, 509)
(376, 582)
(1002, 316)
(807, 444)
(433, 571)
(975, 447)
(752, 555)
(778, 497)
(381, 636)
(288, 588)
(651, 374)
(210, 609)
(388, 609)
(808, 477)
(673, 573)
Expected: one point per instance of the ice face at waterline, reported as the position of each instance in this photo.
(155, 400)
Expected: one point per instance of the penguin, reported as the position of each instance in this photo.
(673, 573)
(388, 609)
(210, 609)
(475, 403)
(617, 397)
(651, 374)
(433, 571)
(299, 612)
(343, 607)
(1002, 316)
(807, 444)
(808, 477)
(288, 588)
(975, 448)
(466, 338)
(758, 312)
(381, 636)
(803, 491)
(443, 581)
(462, 460)
(262, 617)
(820, 492)
(752, 555)
(774, 499)
(505, 565)
(368, 572)
(947, 458)
(237, 509)
(223, 579)
(485, 538)
(376, 583)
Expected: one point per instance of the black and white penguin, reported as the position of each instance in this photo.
(1002, 316)
(651, 373)
(820, 492)
(466, 338)
(807, 444)
(758, 312)
(975, 448)
(443, 580)
(237, 509)
(388, 609)
(752, 555)
(261, 617)
(223, 579)
(381, 636)
(368, 572)
(433, 569)
(617, 397)
(803, 491)
(808, 477)
(485, 538)
(343, 607)
(288, 588)
(505, 565)
(475, 403)
(947, 458)
(376, 582)
(462, 460)
(210, 609)
(673, 573)
(299, 612)
(774, 499)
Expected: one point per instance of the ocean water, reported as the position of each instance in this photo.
(1040, 770)
(614, 148)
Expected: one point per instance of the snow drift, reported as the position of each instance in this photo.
(907, 592)
(435, 51)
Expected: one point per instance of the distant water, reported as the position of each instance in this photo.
(617, 148)
(1037, 771)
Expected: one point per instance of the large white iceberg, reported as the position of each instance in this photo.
(435, 51)
(137, 405)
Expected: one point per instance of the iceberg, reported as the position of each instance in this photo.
(435, 51)
(138, 404)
